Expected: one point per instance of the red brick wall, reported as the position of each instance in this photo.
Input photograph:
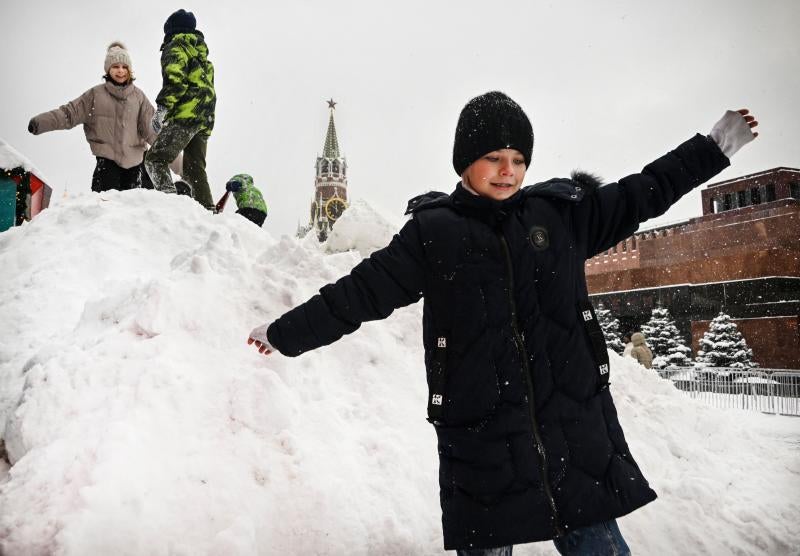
(752, 242)
(763, 242)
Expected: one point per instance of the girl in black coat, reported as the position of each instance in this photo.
(530, 447)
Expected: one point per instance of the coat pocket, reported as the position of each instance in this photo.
(478, 466)
(597, 341)
(437, 380)
(463, 385)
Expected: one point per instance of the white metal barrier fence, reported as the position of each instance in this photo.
(767, 390)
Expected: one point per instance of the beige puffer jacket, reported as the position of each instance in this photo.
(116, 121)
(640, 351)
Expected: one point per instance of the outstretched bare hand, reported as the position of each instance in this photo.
(258, 336)
(733, 131)
(751, 120)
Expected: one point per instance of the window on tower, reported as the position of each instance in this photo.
(335, 167)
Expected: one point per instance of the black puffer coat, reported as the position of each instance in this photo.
(529, 441)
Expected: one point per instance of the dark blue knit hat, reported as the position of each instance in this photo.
(487, 123)
(180, 22)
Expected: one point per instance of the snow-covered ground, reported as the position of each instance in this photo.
(138, 421)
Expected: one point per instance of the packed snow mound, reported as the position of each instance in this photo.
(360, 228)
(138, 421)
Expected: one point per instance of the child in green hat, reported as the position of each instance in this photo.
(249, 201)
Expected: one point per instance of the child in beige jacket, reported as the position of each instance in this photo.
(116, 119)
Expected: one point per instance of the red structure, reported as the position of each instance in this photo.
(742, 256)
(23, 194)
(751, 190)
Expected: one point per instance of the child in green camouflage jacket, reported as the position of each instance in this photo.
(185, 108)
(249, 201)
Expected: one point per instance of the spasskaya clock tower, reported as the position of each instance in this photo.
(330, 184)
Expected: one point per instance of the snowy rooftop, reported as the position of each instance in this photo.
(780, 169)
(11, 158)
(140, 422)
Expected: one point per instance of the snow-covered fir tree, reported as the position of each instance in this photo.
(610, 327)
(724, 346)
(665, 340)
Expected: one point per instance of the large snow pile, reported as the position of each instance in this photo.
(138, 421)
(361, 228)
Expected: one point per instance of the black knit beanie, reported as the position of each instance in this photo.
(487, 123)
(180, 22)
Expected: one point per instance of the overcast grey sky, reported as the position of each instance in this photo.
(608, 85)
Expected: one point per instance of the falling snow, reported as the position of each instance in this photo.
(138, 421)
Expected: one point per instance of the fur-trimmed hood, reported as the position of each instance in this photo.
(586, 180)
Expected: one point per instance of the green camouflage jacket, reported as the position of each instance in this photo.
(188, 75)
(248, 196)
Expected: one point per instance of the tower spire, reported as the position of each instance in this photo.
(331, 149)
(330, 185)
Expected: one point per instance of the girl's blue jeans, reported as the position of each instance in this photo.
(601, 539)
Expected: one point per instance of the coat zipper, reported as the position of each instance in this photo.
(529, 380)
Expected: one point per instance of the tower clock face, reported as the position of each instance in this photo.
(334, 208)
